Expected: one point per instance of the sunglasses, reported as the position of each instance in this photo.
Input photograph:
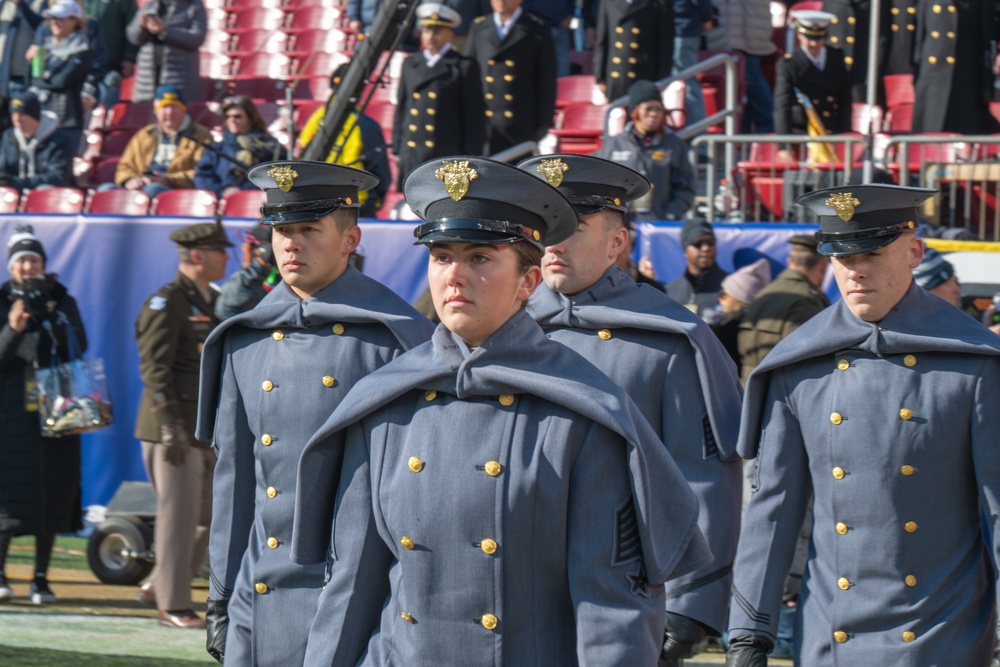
(704, 243)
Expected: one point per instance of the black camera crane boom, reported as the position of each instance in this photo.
(391, 23)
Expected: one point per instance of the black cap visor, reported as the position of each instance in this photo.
(854, 243)
(474, 230)
(290, 214)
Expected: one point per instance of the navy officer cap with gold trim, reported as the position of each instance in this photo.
(438, 14)
(466, 199)
(812, 22)
(589, 183)
(303, 191)
(860, 218)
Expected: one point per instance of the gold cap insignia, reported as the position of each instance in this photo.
(456, 176)
(843, 203)
(553, 171)
(536, 235)
(284, 176)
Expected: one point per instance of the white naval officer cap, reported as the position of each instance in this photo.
(811, 22)
(438, 14)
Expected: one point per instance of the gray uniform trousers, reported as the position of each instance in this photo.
(183, 513)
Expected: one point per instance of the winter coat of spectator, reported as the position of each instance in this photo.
(64, 47)
(18, 22)
(34, 152)
(113, 16)
(245, 140)
(168, 34)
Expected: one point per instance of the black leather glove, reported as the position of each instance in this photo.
(216, 624)
(684, 637)
(175, 438)
(748, 651)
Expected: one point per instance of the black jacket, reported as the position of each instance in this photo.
(634, 41)
(829, 91)
(39, 477)
(53, 158)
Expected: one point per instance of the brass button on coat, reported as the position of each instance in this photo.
(907, 470)
(604, 334)
(488, 546)
(406, 542)
(430, 395)
(906, 414)
(415, 464)
(265, 439)
(843, 583)
(840, 636)
(909, 360)
(910, 580)
(278, 335)
(493, 468)
(841, 528)
(267, 385)
(272, 543)
(908, 636)
(507, 399)
(509, 63)
(836, 418)
(838, 473)
(271, 492)
(910, 526)
(406, 617)
(260, 587)
(489, 621)
(843, 364)
(327, 380)
(338, 329)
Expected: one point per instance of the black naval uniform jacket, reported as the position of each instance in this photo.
(439, 110)
(829, 91)
(902, 31)
(850, 31)
(634, 41)
(519, 79)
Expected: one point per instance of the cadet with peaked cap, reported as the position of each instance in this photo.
(169, 331)
(270, 377)
(881, 407)
(818, 71)
(439, 102)
(658, 351)
(520, 510)
(785, 304)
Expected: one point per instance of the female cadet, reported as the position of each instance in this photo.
(520, 510)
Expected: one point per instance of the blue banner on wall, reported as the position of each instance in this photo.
(111, 264)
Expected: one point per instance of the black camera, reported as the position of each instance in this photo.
(35, 294)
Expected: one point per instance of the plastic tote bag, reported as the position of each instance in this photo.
(71, 396)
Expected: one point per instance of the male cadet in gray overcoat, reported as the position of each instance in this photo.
(883, 407)
(270, 378)
(524, 514)
(664, 356)
(169, 331)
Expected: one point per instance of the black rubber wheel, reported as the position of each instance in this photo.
(110, 549)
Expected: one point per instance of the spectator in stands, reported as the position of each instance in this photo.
(937, 275)
(168, 34)
(785, 304)
(818, 72)
(746, 27)
(643, 273)
(651, 148)
(363, 148)
(635, 40)
(739, 288)
(65, 60)
(700, 286)
(113, 16)
(34, 152)
(98, 66)
(162, 156)
(439, 101)
(516, 57)
(955, 53)
(18, 22)
(245, 142)
(39, 476)
(692, 19)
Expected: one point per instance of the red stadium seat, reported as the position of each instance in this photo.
(129, 115)
(118, 202)
(243, 204)
(125, 91)
(384, 114)
(114, 143)
(104, 172)
(861, 117)
(320, 64)
(53, 200)
(582, 127)
(324, 41)
(265, 66)
(324, 18)
(304, 110)
(9, 199)
(218, 65)
(573, 89)
(192, 203)
(898, 90)
(255, 18)
(260, 89)
(899, 119)
(203, 114)
(266, 40)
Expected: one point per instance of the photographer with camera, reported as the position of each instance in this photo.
(39, 476)
(245, 288)
(245, 142)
